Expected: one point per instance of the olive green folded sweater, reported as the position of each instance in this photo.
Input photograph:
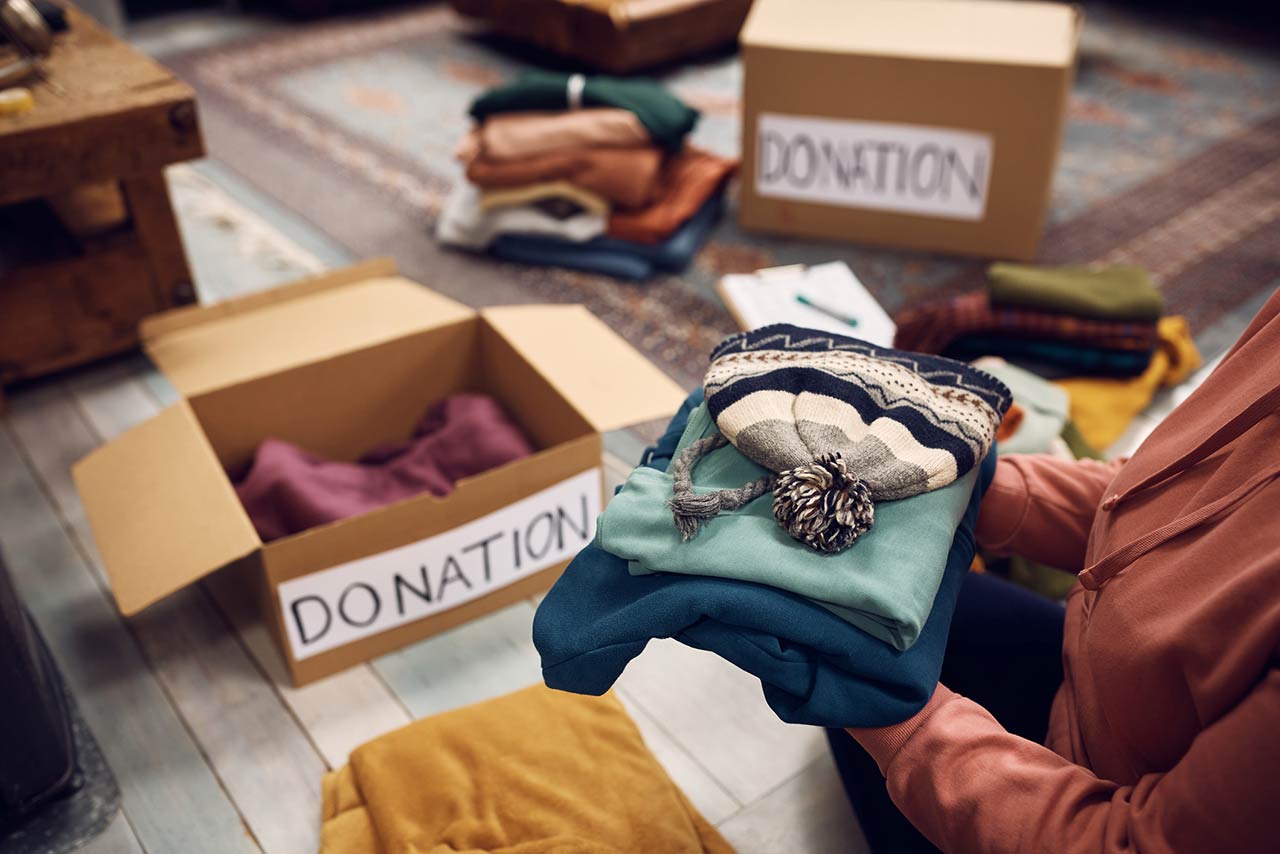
(1103, 293)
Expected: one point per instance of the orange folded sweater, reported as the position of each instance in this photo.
(689, 178)
(512, 136)
(625, 175)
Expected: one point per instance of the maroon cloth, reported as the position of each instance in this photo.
(933, 326)
(288, 490)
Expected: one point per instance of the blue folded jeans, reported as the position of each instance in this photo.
(814, 667)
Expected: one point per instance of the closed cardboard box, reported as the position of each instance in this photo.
(337, 365)
(927, 124)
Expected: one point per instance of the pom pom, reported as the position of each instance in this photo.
(823, 504)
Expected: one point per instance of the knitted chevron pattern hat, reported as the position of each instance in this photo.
(842, 424)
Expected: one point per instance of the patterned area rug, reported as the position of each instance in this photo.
(1171, 160)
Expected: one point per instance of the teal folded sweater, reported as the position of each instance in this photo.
(885, 584)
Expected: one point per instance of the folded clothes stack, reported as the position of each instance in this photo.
(590, 173)
(809, 519)
(1097, 332)
(1103, 407)
(1057, 322)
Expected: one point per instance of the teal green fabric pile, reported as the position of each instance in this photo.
(1045, 408)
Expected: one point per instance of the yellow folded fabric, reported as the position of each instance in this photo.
(1102, 408)
(534, 772)
(509, 197)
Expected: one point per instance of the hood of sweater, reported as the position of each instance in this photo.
(1245, 389)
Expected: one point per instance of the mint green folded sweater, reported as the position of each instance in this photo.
(1044, 405)
(884, 584)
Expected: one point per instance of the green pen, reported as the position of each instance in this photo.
(827, 310)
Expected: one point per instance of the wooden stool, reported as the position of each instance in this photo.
(88, 241)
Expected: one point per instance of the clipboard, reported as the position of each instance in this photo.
(837, 301)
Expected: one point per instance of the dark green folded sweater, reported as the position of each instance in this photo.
(667, 118)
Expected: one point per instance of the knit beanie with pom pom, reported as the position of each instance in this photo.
(841, 423)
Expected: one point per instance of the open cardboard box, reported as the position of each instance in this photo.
(339, 364)
(928, 124)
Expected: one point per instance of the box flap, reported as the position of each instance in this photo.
(986, 31)
(206, 348)
(600, 374)
(162, 510)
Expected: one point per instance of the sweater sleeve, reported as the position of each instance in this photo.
(969, 785)
(1042, 508)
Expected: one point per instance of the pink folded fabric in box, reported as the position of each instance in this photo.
(288, 490)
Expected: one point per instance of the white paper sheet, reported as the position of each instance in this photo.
(771, 296)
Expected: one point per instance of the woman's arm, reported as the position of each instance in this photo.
(1041, 507)
(969, 785)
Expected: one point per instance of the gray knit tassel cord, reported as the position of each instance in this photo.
(691, 509)
(823, 504)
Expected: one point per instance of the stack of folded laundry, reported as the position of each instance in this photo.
(1097, 332)
(808, 516)
(1059, 322)
(590, 173)
(1083, 351)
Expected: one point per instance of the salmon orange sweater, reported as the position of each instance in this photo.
(1165, 735)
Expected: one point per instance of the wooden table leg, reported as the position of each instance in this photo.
(147, 197)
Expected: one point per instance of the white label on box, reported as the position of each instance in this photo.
(351, 601)
(916, 169)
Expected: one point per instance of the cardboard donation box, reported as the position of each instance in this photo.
(339, 364)
(927, 124)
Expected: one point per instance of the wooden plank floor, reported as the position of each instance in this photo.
(213, 752)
